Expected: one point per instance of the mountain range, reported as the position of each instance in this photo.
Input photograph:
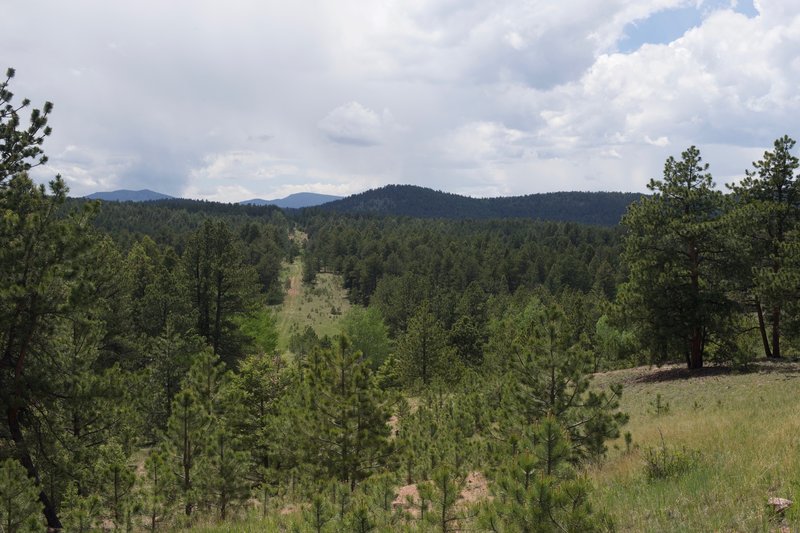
(295, 201)
(596, 208)
(125, 195)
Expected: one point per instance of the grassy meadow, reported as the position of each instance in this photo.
(320, 305)
(742, 430)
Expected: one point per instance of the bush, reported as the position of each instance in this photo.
(664, 462)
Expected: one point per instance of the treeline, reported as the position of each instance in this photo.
(399, 262)
(597, 208)
(262, 232)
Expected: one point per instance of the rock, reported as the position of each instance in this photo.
(779, 505)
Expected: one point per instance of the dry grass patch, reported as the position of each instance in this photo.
(745, 428)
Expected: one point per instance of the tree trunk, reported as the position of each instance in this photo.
(776, 331)
(696, 349)
(218, 313)
(25, 458)
(762, 327)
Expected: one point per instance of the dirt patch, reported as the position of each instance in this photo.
(289, 509)
(407, 499)
(476, 488)
(294, 286)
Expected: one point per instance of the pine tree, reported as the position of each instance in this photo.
(539, 491)
(157, 489)
(222, 287)
(81, 512)
(222, 471)
(447, 485)
(678, 255)
(551, 377)
(186, 434)
(344, 430)
(766, 210)
(117, 480)
(422, 352)
(37, 250)
(20, 508)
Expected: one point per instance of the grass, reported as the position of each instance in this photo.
(320, 305)
(745, 428)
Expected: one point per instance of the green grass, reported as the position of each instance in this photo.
(320, 305)
(746, 428)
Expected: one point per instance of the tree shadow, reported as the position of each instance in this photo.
(786, 367)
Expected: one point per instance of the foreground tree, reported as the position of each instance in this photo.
(678, 256)
(766, 210)
(48, 300)
(539, 491)
(20, 509)
(341, 422)
(550, 376)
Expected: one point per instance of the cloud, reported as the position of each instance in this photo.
(353, 124)
(508, 97)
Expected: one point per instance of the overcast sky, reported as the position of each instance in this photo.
(241, 99)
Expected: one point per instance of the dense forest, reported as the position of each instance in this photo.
(600, 208)
(142, 387)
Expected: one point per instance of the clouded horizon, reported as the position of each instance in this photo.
(263, 99)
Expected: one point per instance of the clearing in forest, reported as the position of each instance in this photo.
(320, 305)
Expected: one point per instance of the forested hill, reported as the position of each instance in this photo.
(597, 208)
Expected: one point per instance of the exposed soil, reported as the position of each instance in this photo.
(476, 489)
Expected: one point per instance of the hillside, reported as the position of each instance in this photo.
(734, 433)
(125, 195)
(597, 208)
(295, 201)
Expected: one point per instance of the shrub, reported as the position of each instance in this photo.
(664, 462)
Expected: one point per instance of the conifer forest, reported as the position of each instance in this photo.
(151, 381)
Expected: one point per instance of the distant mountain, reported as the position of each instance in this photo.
(124, 195)
(296, 201)
(597, 208)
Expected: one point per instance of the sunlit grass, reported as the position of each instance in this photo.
(747, 430)
(320, 305)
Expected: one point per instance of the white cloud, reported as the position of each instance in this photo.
(504, 97)
(353, 124)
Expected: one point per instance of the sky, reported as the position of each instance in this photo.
(244, 99)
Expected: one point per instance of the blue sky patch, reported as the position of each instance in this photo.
(666, 26)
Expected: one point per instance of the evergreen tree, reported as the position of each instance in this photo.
(20, 508)
(678, 256)
(51, 301)
(81, 511)
(157, 489)
(447, 486)
(766, 210)
(116, 489)
(422, 352)
(222, 286)
(343, 431)
(261, 383)
(550, 376)
(222, 471)
(539, 491)
(186, 434)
